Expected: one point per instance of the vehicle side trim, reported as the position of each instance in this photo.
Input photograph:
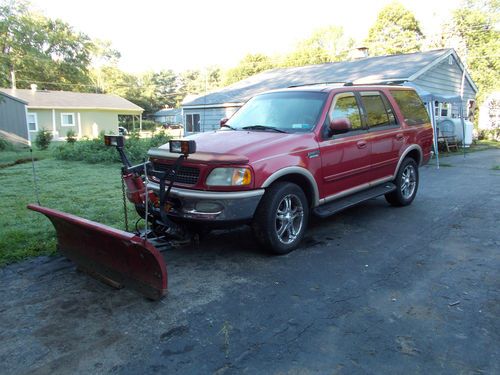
(355, 189)
(297, 170)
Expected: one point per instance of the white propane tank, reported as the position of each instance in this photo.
(453, 127)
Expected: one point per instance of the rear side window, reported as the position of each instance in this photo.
(378, 110)
(411, 106)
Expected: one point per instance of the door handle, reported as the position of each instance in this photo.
(361, 144)
(399, 136)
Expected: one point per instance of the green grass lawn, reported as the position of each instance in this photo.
(92, 191)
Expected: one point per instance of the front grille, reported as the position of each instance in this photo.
(185, 175)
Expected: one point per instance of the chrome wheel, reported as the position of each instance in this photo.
(289, 218)
(408, 181)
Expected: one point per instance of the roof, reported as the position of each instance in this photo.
(13, 97)
(378, 69)
(168, 112)
(68, 99)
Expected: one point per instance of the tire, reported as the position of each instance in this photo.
(406, 184)
(281, 218)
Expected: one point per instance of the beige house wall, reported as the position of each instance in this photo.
(86, 123)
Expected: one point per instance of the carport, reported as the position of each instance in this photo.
(430, 98)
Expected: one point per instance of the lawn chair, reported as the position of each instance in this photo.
(447, 139)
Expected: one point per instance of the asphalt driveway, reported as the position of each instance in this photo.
(374, 289)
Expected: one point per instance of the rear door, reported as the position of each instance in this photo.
(385, 134)
(345, 158)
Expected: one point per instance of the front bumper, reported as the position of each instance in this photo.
(212, 205)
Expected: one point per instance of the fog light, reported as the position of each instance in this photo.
(208, 207)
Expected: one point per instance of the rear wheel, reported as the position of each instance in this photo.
(281, 218)
(406, 184)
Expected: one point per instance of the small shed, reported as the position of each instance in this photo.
(86, 114)
(13, 124)
(439, 71)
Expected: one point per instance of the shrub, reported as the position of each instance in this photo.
(71, 136)
(5, 145)
(148, 125)
(94, 150)
(43, 138)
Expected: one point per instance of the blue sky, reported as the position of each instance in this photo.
(179, 35)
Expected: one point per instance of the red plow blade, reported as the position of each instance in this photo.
(114, 256)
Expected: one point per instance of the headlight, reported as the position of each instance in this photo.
(229, 177)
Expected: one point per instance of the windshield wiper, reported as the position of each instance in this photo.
(227, 126)
(263, 127)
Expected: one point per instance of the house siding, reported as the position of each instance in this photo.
(209, 117)
(446, 79)
(13, 117)
(84, 121)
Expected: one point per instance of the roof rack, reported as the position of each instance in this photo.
(350, 83)
(322, 83)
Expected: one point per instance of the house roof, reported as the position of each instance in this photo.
(13, 97)
(168, 112)
(378, 69)
(67, 99)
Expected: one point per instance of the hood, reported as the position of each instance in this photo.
(251, 145)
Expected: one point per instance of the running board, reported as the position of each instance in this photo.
(331, 208)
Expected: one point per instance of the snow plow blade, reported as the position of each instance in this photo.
(111, 255)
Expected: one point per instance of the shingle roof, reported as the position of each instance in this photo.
(168, 112)
(370, 70)
(68, 99)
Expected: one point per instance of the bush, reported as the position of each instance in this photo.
(148, 125)
(94, 150)
(5, 145)
(71, 136)
(43, 138)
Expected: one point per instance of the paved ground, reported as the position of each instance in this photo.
(375, 289)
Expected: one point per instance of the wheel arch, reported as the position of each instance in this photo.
(413, 151)
(299, 176)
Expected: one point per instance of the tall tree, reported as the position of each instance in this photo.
(326, 44)
(475, 24)
(396, 30)
(37, 49)
(248, 66)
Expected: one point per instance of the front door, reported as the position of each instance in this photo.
(345, 158)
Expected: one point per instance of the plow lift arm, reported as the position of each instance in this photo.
(116, 257)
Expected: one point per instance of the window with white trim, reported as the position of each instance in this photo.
(442, 109)
(193, 123)
(32, 120)
(67, 119)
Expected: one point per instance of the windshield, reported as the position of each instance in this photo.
(290, 112)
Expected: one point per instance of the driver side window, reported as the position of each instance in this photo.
(346, 106)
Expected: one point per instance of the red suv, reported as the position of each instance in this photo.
(290, 152)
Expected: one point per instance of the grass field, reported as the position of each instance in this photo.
(92, 191)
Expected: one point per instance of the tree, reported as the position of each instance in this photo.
(248, 66)
(37, 49)
(326, 44)
(396, 30)
(475, 24)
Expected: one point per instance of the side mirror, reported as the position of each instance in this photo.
(340, 126)
(223, 121)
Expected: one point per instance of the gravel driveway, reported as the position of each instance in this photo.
(374, 289)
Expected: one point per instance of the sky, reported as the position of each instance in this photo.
(189, 34)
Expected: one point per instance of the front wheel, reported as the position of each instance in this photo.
(406, 184)
(281, 218)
